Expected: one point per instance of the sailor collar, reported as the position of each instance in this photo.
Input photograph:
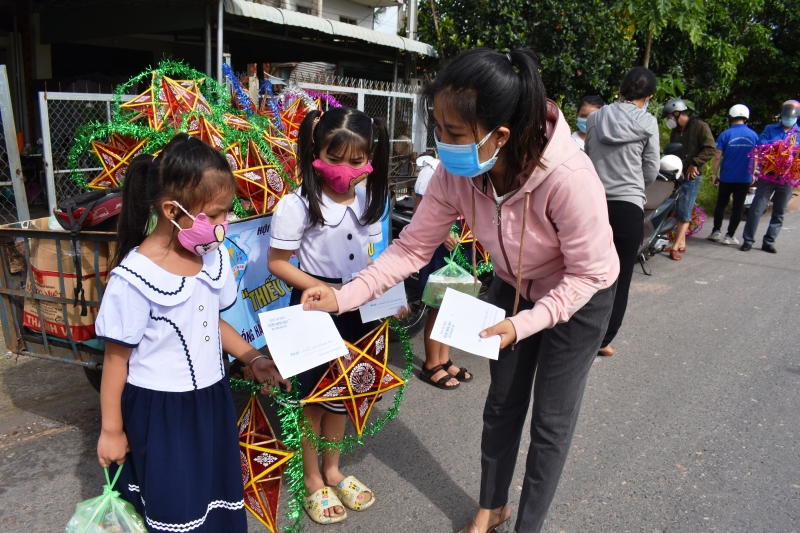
(333, 212)
(165, 288)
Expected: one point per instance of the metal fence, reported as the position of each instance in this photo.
(13, 201)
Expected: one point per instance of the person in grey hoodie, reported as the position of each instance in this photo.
(622, 142)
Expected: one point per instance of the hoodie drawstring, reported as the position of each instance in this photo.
(474, 246)
(521, 242)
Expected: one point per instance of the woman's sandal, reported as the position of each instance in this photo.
(316, 504)
(462, 372)
(426, 375)
(674, 254)
(348, 491)
(472, 528)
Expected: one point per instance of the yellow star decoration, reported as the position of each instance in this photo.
(263, 459)
(257, 180)
(467, 237)
(115, 156)
(359, 378)
(292, 117)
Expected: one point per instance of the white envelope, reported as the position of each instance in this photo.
(300, 340)
(460, 321)
(389, 304)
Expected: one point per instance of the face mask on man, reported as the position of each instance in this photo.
(671, 124)
(788, 122)
(581, 123)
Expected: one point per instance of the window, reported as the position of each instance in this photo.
(302, 9)
(346, 20)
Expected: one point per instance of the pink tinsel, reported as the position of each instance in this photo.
(779, 162)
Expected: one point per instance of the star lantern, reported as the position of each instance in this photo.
(204, 130)
(284, 151)
(182, 97)
(466, 237)
(150, 104)
(235, 122)
(115, 156)
(292, 117)
(359, 378)
(257, 180)
(263, 458)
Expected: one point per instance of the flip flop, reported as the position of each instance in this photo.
(324, 498)
(462, 372)
(426, 375)
(348, 491)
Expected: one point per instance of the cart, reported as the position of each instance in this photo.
(16, 278)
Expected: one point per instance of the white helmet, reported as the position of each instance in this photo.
(672, 163)
(739, 111)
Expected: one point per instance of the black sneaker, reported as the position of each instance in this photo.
(769, 248)
(746, 247)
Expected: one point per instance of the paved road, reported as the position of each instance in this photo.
(693, 426)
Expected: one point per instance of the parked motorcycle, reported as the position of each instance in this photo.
(662, 197)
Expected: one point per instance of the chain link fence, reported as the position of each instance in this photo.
(63, 113)
(13, 201)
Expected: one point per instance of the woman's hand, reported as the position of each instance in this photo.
(402, 314)
(506, 331)
(320, 297)
(112, 447)
(451, 242)
(265, 371)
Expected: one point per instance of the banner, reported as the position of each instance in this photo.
(258, 290)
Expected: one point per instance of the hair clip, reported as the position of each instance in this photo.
(510, 61)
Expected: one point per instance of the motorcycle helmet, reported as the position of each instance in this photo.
(790, 109)
(739, 111)
(671, 163)
(676, 104)
(673, 149)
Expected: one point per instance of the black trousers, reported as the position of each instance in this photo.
(554, 365)
(739, 192)
(627, 223)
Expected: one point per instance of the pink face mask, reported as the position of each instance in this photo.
(341, 177)
(203, 236)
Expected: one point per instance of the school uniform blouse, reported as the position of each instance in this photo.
(336, 249)
(170, 321)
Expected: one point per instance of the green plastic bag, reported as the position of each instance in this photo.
(106, 514)
(453, 276)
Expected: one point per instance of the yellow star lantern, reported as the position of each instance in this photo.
(359, 378)
(115, 156)
(466, 237)
(292, 117)
(263, 459)
(206, 132)
(258, 181)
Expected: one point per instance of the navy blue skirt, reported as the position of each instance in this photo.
(183, 472)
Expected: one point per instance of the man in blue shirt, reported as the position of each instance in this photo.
(780, 193)
(733, 149)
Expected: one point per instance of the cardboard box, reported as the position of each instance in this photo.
(44, 265)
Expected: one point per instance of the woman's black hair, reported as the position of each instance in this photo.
(639, 82)
(592, 100)
(493, 89)
(187, 170)
(338, 130)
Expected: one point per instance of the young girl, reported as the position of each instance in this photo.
(167, 409)
(329, 222)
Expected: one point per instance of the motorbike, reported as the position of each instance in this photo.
(662, 198)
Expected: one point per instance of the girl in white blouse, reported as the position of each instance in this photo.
(329, 223)
(167, 409)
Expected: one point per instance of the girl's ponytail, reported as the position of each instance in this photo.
(307, 153)
(529, 122)
(136, 210)
(378, 182)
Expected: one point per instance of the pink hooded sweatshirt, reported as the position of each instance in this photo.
(567, 247)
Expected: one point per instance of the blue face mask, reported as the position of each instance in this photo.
(788, 122)
(581, 123)
(462, 159)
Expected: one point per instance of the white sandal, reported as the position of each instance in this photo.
(316, 504)
(348, 491)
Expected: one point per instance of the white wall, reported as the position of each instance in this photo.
(333, 9)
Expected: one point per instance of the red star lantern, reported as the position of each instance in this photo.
(152, 105)
(184, 96)
(284, 151)
(236, 122)
(467, 237)
(292, 117)
(263, 460)
(257, 180)
(359, 378)
(207, 132)
(115, 156)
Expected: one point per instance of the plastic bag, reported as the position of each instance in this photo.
(453, 276)
(106, 514)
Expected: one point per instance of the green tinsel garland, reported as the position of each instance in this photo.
(296, 427)
(460, 257)
(219, 102)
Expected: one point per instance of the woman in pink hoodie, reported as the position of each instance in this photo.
(534, 200)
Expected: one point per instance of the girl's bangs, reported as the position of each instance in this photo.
(343, 141)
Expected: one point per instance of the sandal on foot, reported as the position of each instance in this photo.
(472, 528)
(316, 504)
(426, 375)
(348, 491)
(462, 372)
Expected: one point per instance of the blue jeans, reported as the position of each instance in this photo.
(781, 194)
(685, 205)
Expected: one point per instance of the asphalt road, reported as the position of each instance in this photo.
(693, 426)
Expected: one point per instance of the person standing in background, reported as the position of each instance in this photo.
(698, 148)
(622, 142)
(780, 193)
(589, 104)
(734, 178)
